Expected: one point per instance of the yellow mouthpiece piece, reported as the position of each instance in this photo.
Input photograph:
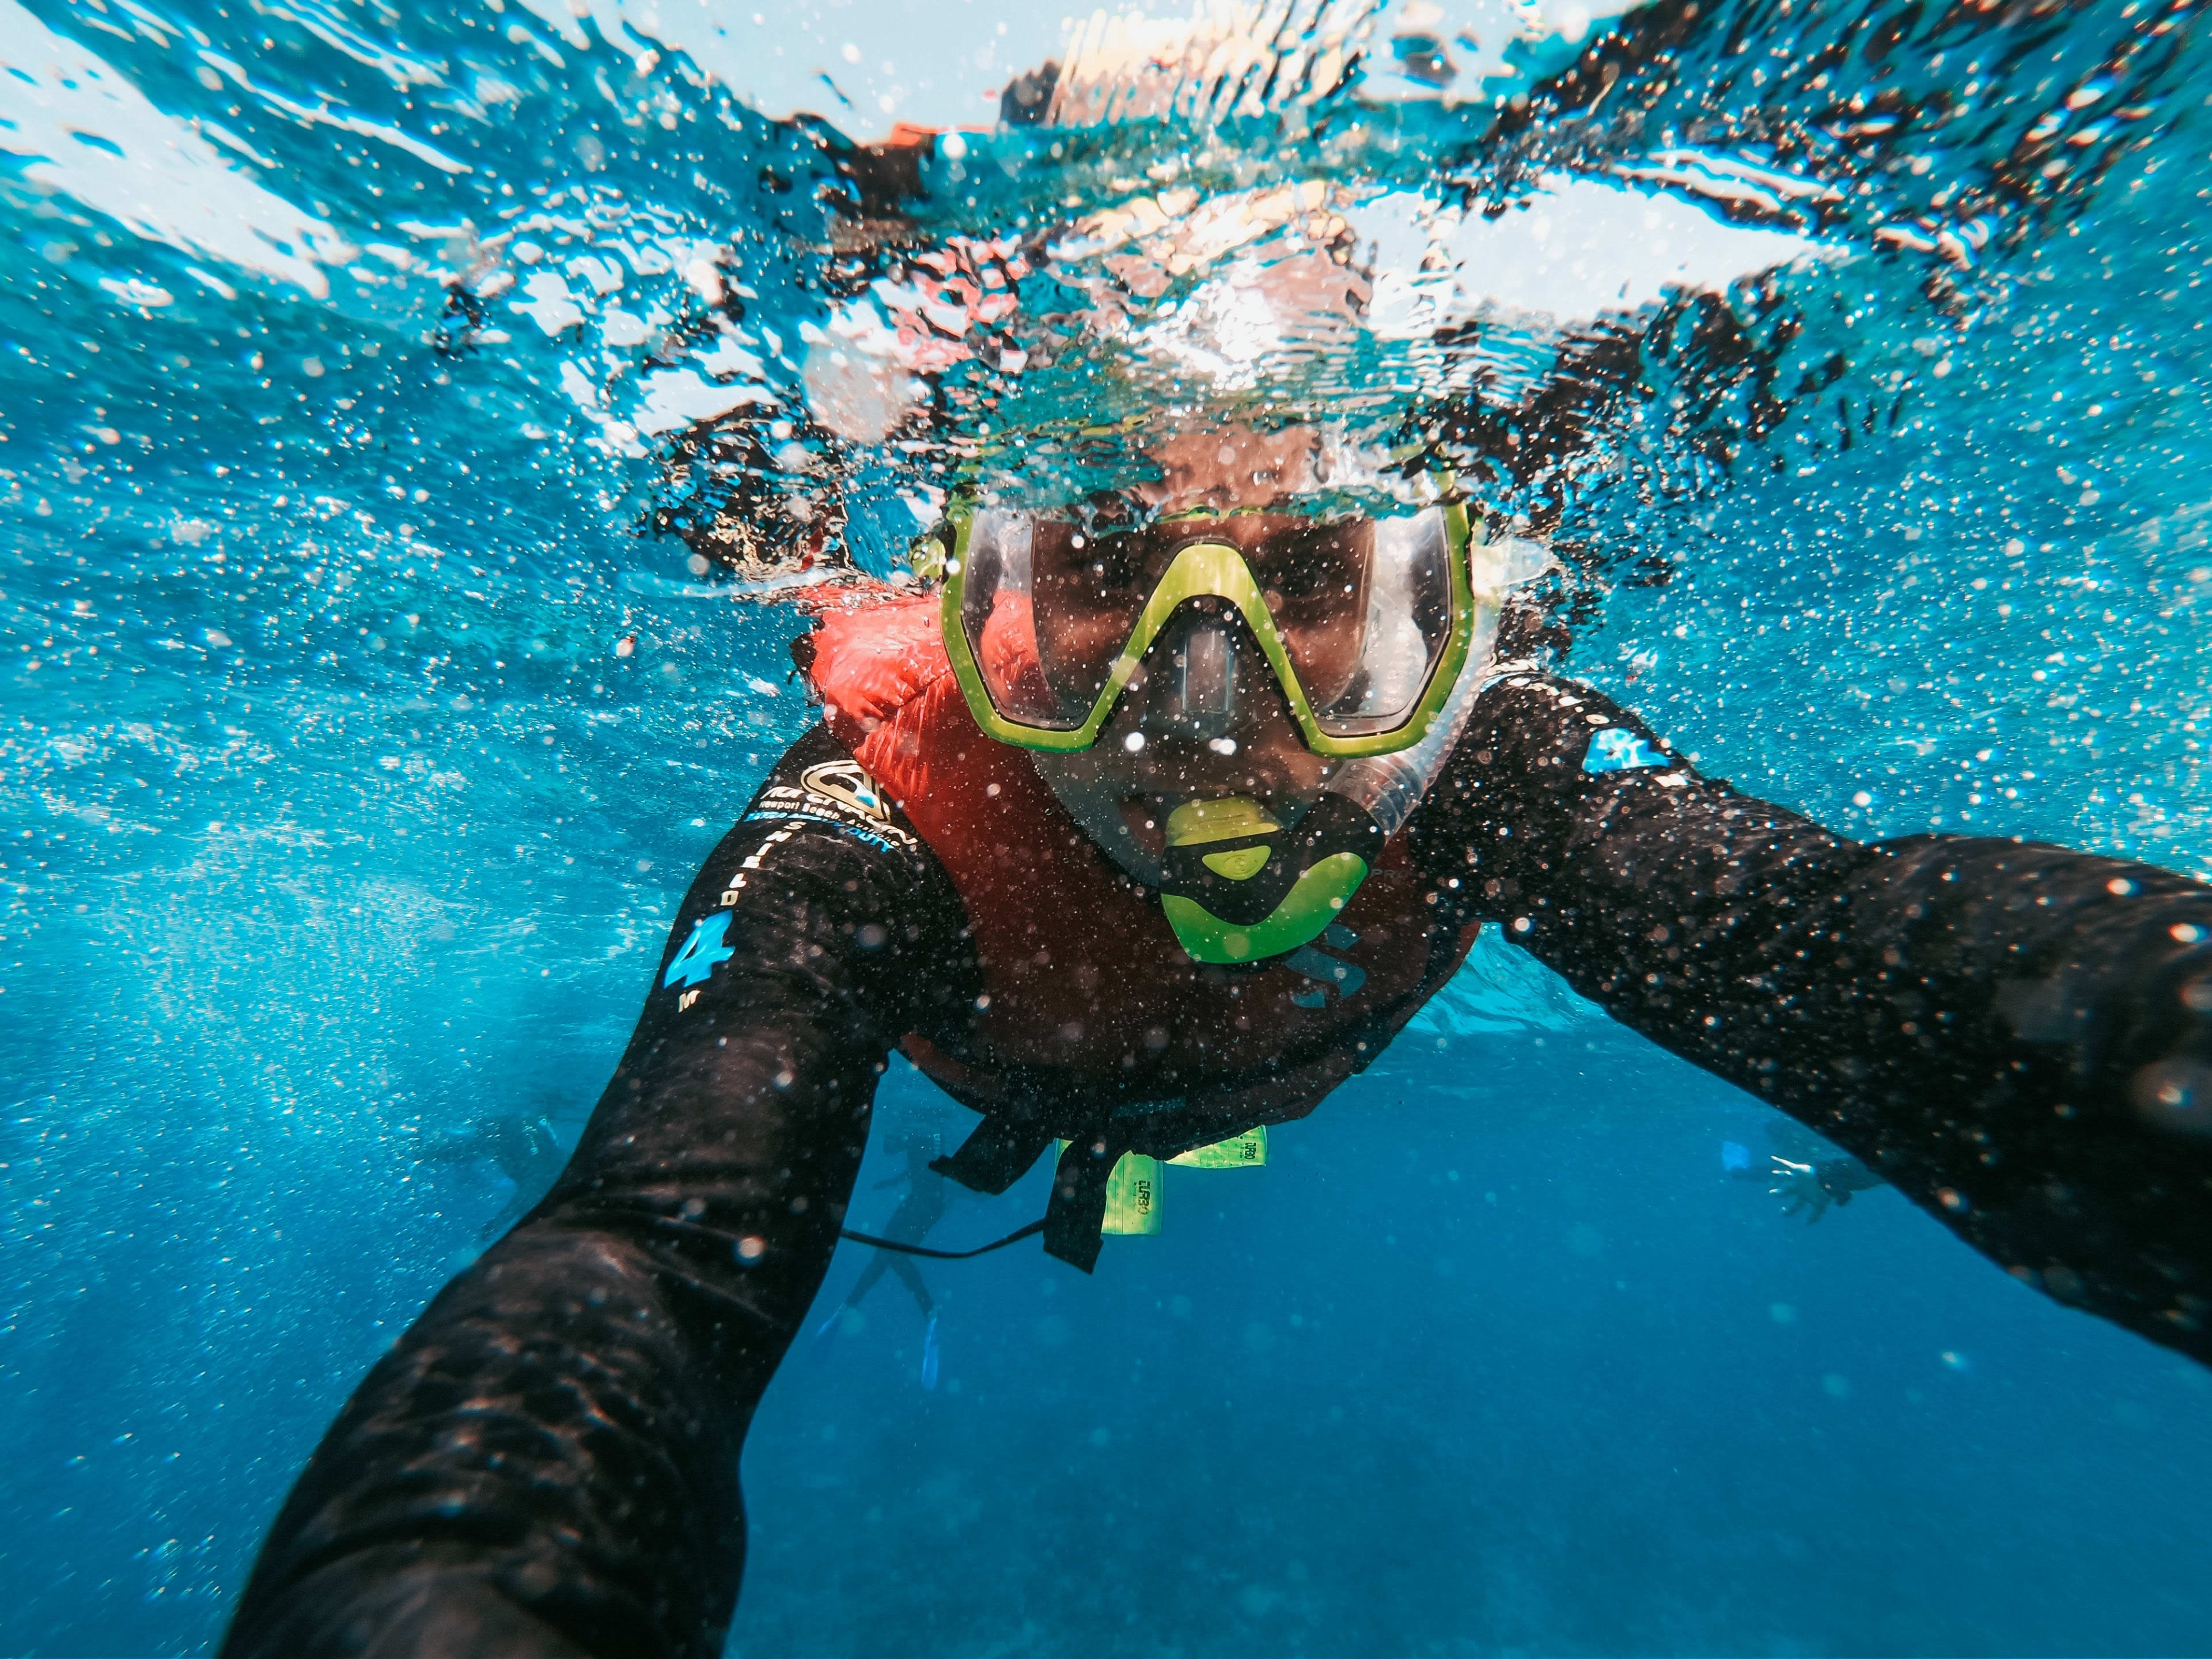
(1239, 863)
(1197, 822)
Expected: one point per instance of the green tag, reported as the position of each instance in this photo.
(1246, 1151)
(1133, 1193)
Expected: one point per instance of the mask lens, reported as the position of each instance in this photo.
(1046, 609)
(1362, 608)
(1400, 627)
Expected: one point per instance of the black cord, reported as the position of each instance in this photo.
(1014, 1238)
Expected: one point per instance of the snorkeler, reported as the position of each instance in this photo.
(523, 1150)
(922, 1208)
(1156, 822)
(1809, 1189)
(1808, 1177)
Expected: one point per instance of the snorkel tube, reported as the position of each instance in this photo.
(1237, 888)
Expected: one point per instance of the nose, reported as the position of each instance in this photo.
(1204, 649)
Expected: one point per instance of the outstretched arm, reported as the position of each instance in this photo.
(547, 1462)
(2017, 1036)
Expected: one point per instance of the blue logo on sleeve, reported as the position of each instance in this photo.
(1616, 749)
(700, 952)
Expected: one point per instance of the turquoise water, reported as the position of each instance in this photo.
(360, 738)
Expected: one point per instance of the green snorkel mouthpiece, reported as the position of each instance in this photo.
(1240, 888)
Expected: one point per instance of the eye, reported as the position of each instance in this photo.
(1312, 563)
(1300, 579)
(1117, 563)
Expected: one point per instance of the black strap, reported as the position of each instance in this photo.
(998, 1154)
(1014, 1238)
(1077, 1209)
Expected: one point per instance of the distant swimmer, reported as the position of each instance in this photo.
(922, 1208)
(1808, 1178)
(523, 1150)
(1810, 1188)
(1140, 818)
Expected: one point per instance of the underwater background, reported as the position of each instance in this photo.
(367, 704)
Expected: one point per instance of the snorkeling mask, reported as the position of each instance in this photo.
(1367, 624)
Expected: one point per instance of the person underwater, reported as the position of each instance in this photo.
(1809, 1177)
(523, 1150)
(1155, 821)
(920, 1209)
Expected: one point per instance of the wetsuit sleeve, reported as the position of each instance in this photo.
(547, 1462)
(2017, 1036)
(1840, 1177)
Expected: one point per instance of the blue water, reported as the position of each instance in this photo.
(357, 742)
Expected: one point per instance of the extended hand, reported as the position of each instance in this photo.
(1800, 1188)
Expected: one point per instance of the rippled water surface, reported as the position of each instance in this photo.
(416, 422)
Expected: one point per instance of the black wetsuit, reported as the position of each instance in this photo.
(547, 1462)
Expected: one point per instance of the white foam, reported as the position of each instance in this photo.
(98, 138)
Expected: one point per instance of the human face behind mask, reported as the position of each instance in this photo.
(1204, 717)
